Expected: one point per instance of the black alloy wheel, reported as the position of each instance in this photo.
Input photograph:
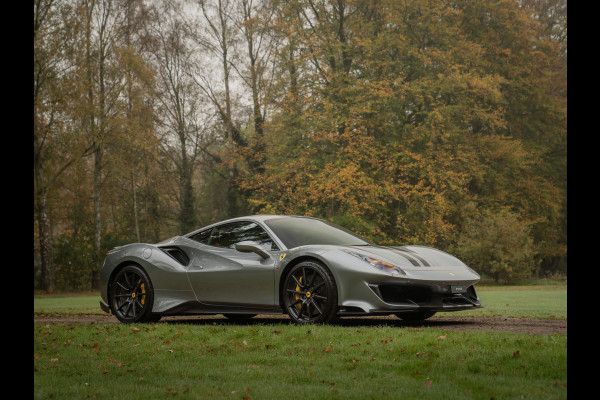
(310, 294)
(131, 296)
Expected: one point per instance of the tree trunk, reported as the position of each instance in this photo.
(46, 250)
(187, 219)
(97, 198)
(135, 214)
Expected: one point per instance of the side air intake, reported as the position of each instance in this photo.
(177, 254)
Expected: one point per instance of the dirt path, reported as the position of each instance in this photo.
(522, 325)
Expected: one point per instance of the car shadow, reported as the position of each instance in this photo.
(346, 322)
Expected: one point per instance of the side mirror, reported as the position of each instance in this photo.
(251, 247)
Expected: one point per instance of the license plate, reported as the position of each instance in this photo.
(458, 289)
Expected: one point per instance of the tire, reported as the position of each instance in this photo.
(131, 296)
(239, 316)
(415, 315)
(310, 294)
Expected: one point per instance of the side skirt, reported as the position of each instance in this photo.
(194, 307)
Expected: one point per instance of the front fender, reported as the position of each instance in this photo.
(342, 266)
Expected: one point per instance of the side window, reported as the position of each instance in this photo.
(202, 237)
(229, 234)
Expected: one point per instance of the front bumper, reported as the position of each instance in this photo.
(402, 296)
(427, 296)
(360, 296)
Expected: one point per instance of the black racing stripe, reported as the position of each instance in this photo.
(425, 263)
(409, 258)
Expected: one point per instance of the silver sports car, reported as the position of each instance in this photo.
(311, 269)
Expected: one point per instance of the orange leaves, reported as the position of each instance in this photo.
(426, 117)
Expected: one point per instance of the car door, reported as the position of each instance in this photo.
(222, 276)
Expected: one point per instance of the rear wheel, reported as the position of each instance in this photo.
(310, 294)
(131, 296)
(415, 315)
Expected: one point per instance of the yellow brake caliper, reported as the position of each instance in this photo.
(143, 295)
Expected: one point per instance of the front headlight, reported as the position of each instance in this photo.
(381, 265)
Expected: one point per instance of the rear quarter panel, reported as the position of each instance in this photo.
(168, 277)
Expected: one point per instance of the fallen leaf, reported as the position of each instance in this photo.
(516, 353)
(245, 343)
(443, 337)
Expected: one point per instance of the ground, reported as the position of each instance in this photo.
(442, 321)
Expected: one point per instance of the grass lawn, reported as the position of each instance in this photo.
(533, 301)
(208, 360)
(521, 301)
(279, 361)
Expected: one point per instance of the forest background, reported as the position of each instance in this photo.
(439, 123)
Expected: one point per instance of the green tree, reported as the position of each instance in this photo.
(393, 116)
(57, 145)
(498, 244)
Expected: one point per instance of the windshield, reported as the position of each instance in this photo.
(298, 231)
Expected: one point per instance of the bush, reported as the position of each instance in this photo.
(76, 268)
(74, 260)
(498, 244)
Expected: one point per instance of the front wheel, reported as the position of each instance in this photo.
(131, 296)
(310, 294)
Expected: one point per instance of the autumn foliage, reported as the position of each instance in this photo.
(423, 122)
